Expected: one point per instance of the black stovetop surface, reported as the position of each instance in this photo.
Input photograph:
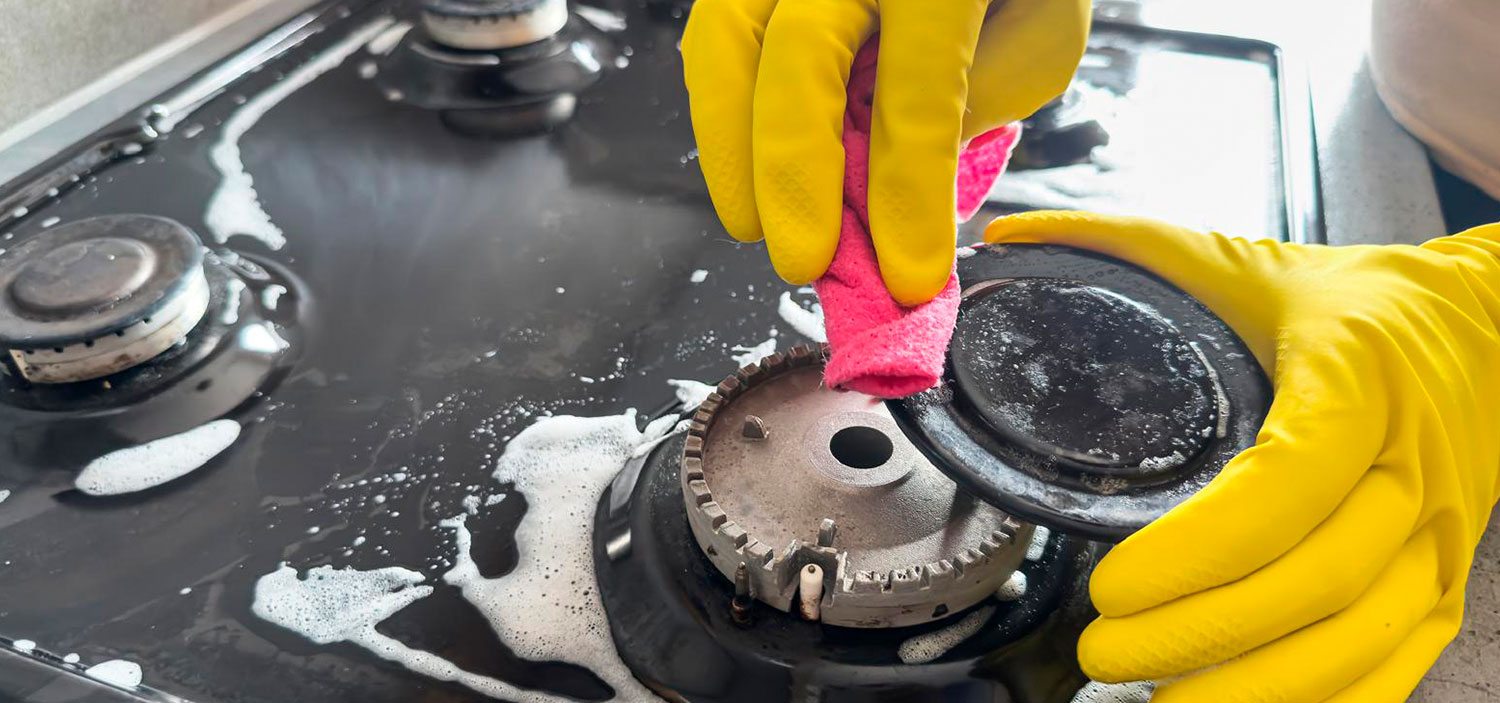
(453, 289)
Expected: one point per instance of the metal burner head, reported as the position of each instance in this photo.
(493, 24)
(780, 473)
(98, 296)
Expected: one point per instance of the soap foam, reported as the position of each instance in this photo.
(690, 394)
(4, 495)
(235, 207)
(808, 323)
(929, 646)
(745, 356)
(1014, 587)
(126, 674)
(1038, 544)
(1134, 692)
(156, 462)
(699, 276)
(23, 645)
(548, 607)
(344, 605)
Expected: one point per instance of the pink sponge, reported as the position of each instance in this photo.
(878, 346)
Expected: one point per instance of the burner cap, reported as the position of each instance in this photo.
(1084, 393)
(493, 24)
(1083, 374)
(96, 296)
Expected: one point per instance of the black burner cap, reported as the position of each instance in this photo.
(1084, 374)
(1084, 393)
(93, 277)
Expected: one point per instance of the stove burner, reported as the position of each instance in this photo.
(492, 24)
(97, 296)
(678, 625)
(776, 461)
(1083, 393)
(496, 68)
(1084, 374)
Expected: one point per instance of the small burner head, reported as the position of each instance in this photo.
(97, 296)
(493, 24)
(780, 472)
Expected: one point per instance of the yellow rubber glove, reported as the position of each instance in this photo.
(1328, 562)
(766, 82)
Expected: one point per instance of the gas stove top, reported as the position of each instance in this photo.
(428, 236)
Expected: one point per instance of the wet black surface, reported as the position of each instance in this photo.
(445, 292)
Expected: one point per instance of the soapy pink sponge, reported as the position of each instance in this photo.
(878, 346)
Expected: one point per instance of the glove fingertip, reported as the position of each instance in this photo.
(916, 285)
(1101, 657)
(800, 268)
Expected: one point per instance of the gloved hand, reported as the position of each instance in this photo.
(1328, 562)
(766, 82)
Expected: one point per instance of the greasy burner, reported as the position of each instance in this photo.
(674, 622)
(480, 76)
(492, 24)
(780, 472)
(1084, 393)
(97, 296)
(1085, 375)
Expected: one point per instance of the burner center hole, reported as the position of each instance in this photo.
(860, 447)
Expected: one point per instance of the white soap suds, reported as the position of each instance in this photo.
(494, 499)
(232, 291)
(744, 355)
(1014, 587)
(126, 674)
(808, 323)
(358, 541)
(72, 658)
(157, 462)
(699, 276)
(344, 605)
(1134, 692)
(927, 647)
(1038, 544)
(4, 494)
(235, 208)
(50, 221)
(314, 530)
(185, 591)
(23, 645)
(965, 252)
(471, 504)
(547, 608)
(270, 296)
(690, 394)
(1158, 463)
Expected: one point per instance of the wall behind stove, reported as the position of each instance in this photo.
(51, 48)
